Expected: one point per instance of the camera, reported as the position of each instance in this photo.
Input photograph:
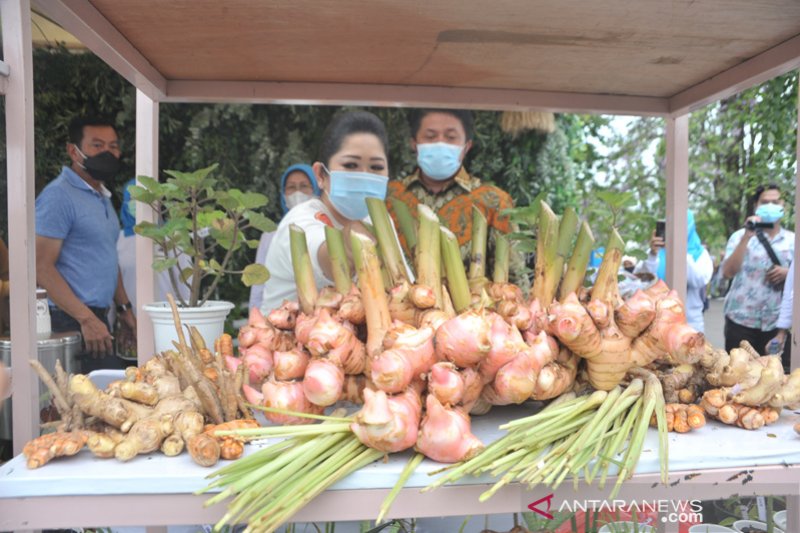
(752, 226)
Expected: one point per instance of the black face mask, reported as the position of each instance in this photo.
(629, 269)
(102, 167)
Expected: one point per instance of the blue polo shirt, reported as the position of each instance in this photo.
(85, 221)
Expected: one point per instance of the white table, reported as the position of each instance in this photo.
(157, 490)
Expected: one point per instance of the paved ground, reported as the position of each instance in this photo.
(715, 322)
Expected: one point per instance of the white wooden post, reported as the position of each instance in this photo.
(16, 20)
(677, 184)
(146, 165)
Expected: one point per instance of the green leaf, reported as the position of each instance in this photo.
(253, 200)
(208, 218)
(214, 265)
(252, 243)
(164, 263)
(189, 180)
(142, 195)
(260, 222)
(228, 201)
(186, 274)
(255, 275)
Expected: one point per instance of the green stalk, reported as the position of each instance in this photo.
(477, 259)
(387, 241)
(502, 252)
(606, 286)
(456, 276)
(373, 292)
(576, 269)
(406, 222)
(615, 446)
(428, 253)
(299, 414)
(566, 234)
(288, 431)
(340, 266)
(303, 271)
(409, 469)
(546, 275)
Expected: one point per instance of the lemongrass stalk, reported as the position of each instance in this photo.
(373, 293)
(406, 223)
(546, 276)
(654, 392)
(555, 408)
(299, 414)
(409, 469)
(288, 431)
(637, 442)
(340, 266)
(477, 259)
(502, 253)
(303, 271)
(606, 285)
(428, 254)
(454, 267)
(614, 447)
(578, 261)
(387, 240)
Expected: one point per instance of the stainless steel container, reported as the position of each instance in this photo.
(56, 346)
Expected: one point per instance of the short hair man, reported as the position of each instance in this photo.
(753, 301)
(441, 139)
(76, 236)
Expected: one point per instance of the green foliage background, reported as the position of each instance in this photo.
(253, 144)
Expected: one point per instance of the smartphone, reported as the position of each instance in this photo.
(661, 229)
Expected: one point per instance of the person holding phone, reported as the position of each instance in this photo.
(757, 259)
(699, 269)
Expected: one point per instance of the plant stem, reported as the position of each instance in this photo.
(405, 220)
(546, 275)
(225, 260)
(502, 253)
(454, 266)
(387, 241)
(428, 253)
(409, 469)
(342, 277)
(373, 292)
(576, 269)
(606, 286)
(477, 259)
(303, 271)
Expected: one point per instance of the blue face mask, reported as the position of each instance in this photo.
(349, 191)
(770, 213)
(439, 161)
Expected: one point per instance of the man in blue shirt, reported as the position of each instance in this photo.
(76, 236)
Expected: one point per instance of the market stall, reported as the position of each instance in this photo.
(488, 57)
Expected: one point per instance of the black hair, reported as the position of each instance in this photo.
(415, 117)
(346, 124)
(77, 125)
(761, 189)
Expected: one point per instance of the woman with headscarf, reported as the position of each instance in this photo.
(298, 185)
(699, 269)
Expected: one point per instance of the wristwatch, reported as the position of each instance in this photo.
(121, 308)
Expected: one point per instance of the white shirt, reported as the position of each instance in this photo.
(312, 216)
(787, 300)
(698, 274)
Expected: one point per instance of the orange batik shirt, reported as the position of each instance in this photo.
(454, 208)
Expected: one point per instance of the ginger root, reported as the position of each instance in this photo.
(682, 418)
(145, 436)
(94, 402)
(42, 449)
(717, 404)
(204, 449)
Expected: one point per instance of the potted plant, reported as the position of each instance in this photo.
(201, 226)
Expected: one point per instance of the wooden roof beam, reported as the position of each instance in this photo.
(778, 60)
(90, 27)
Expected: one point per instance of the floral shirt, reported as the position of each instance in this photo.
(751, 301)
(454, 208)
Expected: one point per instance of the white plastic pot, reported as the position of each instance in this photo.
(780, 519)
(208, 319)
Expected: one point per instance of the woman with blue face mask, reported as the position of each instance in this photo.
(352, 165)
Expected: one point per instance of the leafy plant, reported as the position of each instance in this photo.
(201, 220)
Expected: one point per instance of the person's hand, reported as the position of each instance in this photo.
(128, 320)
(754, 219)
(777, 341)
(96, 337)
(656, 243)
(777, 274)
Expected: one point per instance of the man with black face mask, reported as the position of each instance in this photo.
(76, 236)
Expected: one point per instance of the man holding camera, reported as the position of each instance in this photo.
(757, 257)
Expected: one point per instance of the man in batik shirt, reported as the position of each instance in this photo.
(441, 140)
(753, 301)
